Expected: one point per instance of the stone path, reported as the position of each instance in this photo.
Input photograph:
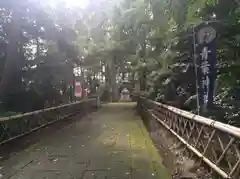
(109, 144)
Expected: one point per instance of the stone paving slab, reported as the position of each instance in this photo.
(109, 144)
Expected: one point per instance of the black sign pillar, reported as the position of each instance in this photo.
(205, 62)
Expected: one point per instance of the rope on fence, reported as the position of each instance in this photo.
(215, 143)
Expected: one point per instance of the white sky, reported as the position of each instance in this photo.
(71, 3)
(77, 3)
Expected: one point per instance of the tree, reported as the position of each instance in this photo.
(113, 41)
(29, 62)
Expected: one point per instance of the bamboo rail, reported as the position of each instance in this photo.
(216, 144)
(16, 126)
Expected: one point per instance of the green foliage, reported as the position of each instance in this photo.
(36, 56)
(227, 91)
(145, 41)
(160, 34)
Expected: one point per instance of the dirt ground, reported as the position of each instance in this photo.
(174, 153)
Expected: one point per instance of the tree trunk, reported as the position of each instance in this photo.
(133, 80)
(107, 81)
(84, 93)
(143, 80)
(113, 81)
(38, 47)
(11, 64)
